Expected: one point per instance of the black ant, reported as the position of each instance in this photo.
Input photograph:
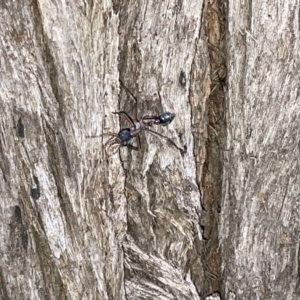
(125, 136)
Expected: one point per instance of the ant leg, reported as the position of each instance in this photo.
(138, 141)
(132, 147)
(168, 139)
(103, 134)
(128, 90)
(109, 150)
(131, 94)
(114, 152)
(129, 119)
(136, 148)
(113, 140)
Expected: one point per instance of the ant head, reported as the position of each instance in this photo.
(166, 118)
(124, 136)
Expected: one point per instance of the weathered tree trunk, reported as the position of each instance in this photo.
(259, 228)
(78, 222)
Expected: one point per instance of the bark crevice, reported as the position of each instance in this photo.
(215, 30)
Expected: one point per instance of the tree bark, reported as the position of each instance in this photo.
(80, 221)
(259, 221)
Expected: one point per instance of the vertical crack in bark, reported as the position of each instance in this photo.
(4, 294)
(56, 163)
(212, 173)
(48, 270)
(50, 65)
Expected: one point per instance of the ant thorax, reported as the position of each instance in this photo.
(140, 125)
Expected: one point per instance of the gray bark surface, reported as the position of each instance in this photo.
(220, 221)
(259, 226)
(76, 222)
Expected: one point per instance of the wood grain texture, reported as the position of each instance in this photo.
(77, 223)
(162, 43)
(219, 222)
(260, 209)
(60, 77)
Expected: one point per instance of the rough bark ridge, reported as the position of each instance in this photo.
(259, 227)
(163, 62)
(62, 208)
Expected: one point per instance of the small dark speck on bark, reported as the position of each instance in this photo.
(20, 129)
(182, 79)
(18, 214)
(35, 192)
